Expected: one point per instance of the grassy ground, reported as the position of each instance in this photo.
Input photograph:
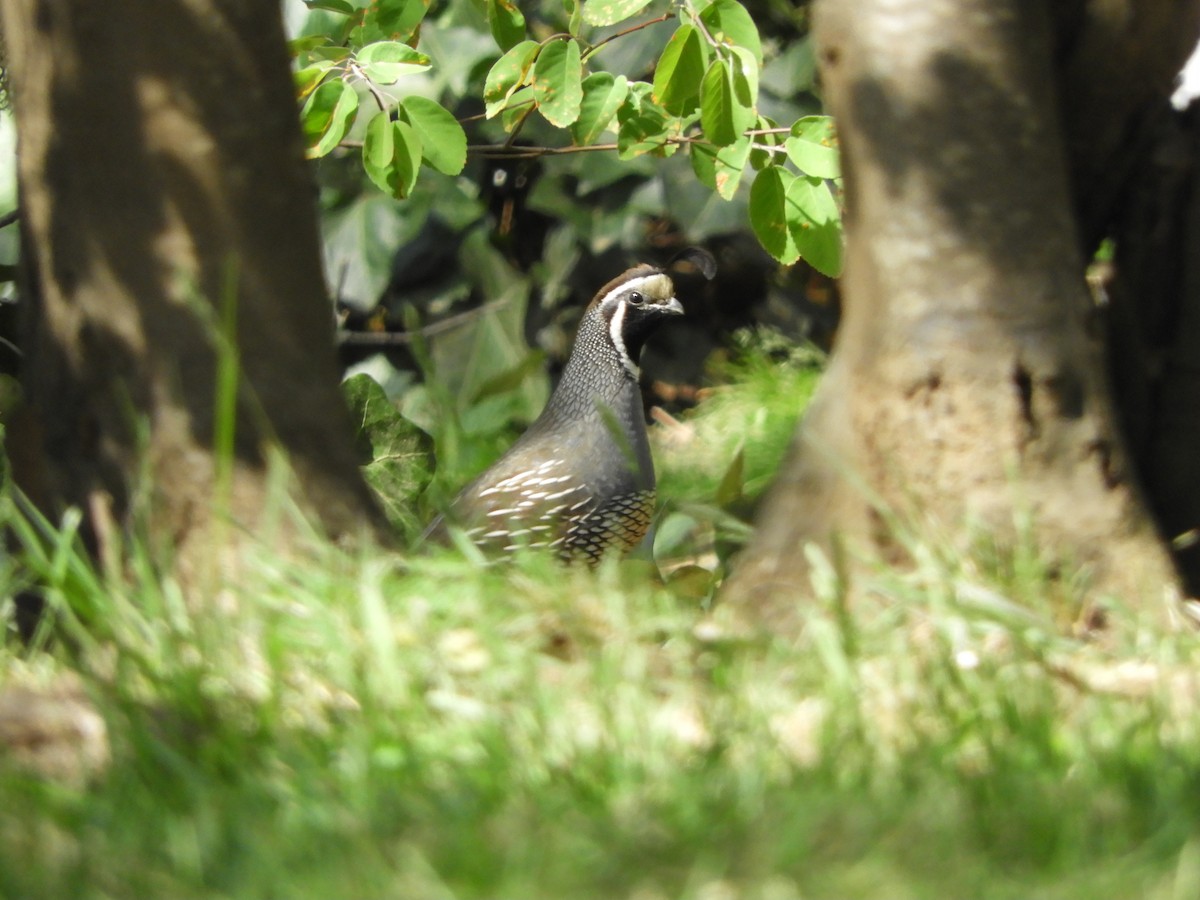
(358, 726)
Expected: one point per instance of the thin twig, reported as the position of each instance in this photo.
(9, 217)
(612, 37)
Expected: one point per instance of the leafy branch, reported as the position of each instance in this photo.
(703, 99)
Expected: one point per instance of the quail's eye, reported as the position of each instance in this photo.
(636, 298)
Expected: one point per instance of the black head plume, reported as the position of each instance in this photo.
(698, 257)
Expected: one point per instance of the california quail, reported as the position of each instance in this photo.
(580, 480)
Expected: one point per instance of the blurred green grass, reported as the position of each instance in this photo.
(353, 724)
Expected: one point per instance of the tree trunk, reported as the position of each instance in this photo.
(166, 203)
(967, 392)
(1154, 303)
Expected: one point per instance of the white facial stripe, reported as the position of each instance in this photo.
(615, 324)
(631, 285)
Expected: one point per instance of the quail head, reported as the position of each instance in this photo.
(580, 480)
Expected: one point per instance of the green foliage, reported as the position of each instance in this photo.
(346, 724)
(394, 453)
(704, 97)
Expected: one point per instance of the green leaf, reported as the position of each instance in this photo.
(507, 23)
(384, 62)
(679, 71)
(443, 141)
(645, 126)
(338, 6)
(733, 482)
(609, 12)
(327, 115)
(724, 113)
(520, 105)
(557, 82)
(509, 73)
(574, 10)
(602, 97)
(812, 147)
(815, 224)
(333, 54)
(307, 43)
(721, 168)
(745, 72)
(760, 157)
(391, 155)
(394, 453)
(398, 19)
(307, 79)
(769, 213)
(729, 22)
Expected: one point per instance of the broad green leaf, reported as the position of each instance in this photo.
(309, 77)
(391, 155)
(760, 156)
(812, 147)
(746, 75)
(815, 224)
(379, 147)
(408, 158)
(557, 82)
(520, 105)
(644, 125)
(609, 12)
(398, 19)
(338, 6)
(602, 97)
(306, 43)
(509, 73)
(443, 141)
(327, 115)
(574, 10)
(679, 71)
(385, 61)
(769, 213)
(644, 132)
(394, 453)
(724, 113)
(333, 54)
(730, 23)
(507, 23)
(721, 168)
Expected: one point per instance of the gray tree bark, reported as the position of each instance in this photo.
(967, 393)
(164, 194)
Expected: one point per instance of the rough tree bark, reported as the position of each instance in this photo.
(967, 389)
(162, 181)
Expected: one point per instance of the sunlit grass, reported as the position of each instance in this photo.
(346, 723)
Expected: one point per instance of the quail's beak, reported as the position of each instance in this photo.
(673, 307)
